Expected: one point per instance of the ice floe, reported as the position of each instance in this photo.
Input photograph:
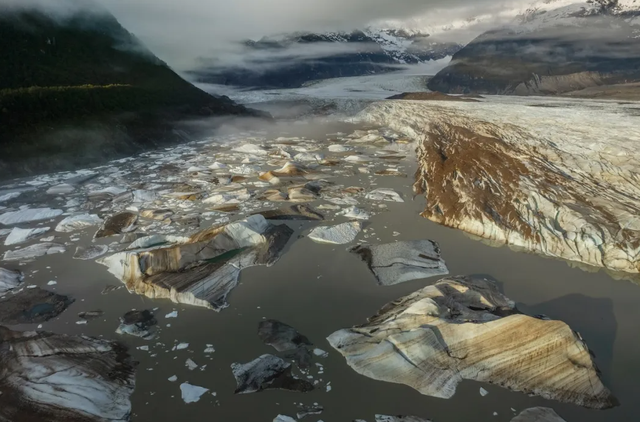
(32, 305)
(18, 235)
(10, 279)
(383, 194)
(205, 269)
(138, 324)
(339, 234)
(124, 222)
(191, 393)
(395, 263)
(58, 377)
(34, 251)
(464, 328)
(86, 253)
(27, 215)
(78, 222)
(267, 372)
(281, 336)
(355, 212)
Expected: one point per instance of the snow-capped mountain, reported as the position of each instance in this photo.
(553, 13)
(551, 50)
(291, 60)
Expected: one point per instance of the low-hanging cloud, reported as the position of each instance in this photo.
(267, 59)
(180, 31)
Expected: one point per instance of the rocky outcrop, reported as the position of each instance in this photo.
(202, 270)
(53, 377)
(464, 328)
(562, 185)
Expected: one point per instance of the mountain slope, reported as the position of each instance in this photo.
(292, 60)
(566, 49)
(85, 72)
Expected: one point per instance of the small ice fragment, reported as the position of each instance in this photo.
(145, 348)
(483, 392)
(173, 378)
(190, 364)
(209, 349)
(191, 393)
(81, 322)
(52, 283)
(181, 346)
(321, 353)
(173, 314)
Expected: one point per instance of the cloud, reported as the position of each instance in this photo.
(266, 59)
(180, 31)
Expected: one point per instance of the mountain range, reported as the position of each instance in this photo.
(79, 89)
(570, 48)
(550, 47)
(292, 60)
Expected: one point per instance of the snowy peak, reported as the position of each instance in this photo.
(410, 46)
(548, 13)
(399, 45)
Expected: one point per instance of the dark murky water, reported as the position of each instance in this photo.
(319, 289)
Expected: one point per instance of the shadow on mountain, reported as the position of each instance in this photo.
(81, 89)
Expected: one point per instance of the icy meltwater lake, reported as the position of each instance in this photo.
(318, 288)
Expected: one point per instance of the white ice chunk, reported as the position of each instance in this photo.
(9, 280)
(190, 364)
(78, 222)
(283, 418)
(27, 215)
(251, 149)
(339, 234)
(19, 235)
(321, 353)
(34, 251)
(191, 393)
(227, 198)
(354, 212)
(339, 148)
(181, 346)
(384, 195)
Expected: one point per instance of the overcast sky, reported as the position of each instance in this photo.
(179, 31)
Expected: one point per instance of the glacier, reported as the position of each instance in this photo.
(554, 176)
